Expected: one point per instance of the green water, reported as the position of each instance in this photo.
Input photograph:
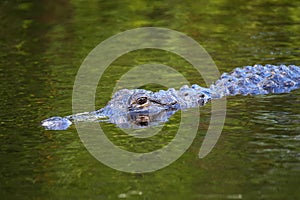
(42, 46)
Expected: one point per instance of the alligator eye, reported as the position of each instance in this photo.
(202, 95)
(141, 100)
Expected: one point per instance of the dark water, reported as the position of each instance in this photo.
(42, 46)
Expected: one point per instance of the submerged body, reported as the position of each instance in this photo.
(136, 108)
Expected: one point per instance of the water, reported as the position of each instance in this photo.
(42, 46)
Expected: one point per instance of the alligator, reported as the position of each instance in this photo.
(141, 108)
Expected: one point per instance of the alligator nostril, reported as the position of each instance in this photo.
(202, 95)
(141, 100)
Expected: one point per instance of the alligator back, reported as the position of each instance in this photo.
(256, 80)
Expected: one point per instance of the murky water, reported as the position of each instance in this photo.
(42, 46)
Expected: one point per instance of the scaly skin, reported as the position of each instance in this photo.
(257, 80)
(136, 108)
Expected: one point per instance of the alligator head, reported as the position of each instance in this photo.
(131, 108)
(138, 108)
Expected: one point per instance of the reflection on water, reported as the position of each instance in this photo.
(44, 43)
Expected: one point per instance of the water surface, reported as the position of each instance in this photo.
(42, 46)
